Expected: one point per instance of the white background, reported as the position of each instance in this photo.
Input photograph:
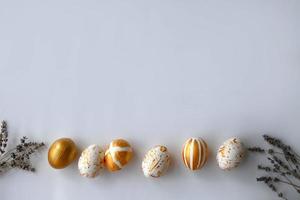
(152, 72)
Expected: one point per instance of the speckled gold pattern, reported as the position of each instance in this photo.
(230, 154)
(91, 161)
(62, 153)
(156, 162)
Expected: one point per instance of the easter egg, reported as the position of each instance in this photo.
(156, 162)
(62, 153)
(118, 154)
(194, 153)
(91, 161)
(230, 154)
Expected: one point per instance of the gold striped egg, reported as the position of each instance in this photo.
(118, 155)
(195, 153)
(62, 153)
(156, 162)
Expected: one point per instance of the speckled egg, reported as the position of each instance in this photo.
(230, 154)
(91, 161)
(156, 162)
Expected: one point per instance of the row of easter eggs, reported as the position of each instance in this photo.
(195, 153)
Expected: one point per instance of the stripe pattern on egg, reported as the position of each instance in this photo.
(118, 154)
(195, 153)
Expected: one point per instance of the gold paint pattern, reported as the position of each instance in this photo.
(195, 153)
(230, 154)
(156, 162)
(118, 154)
(62, 153)
(91, 161)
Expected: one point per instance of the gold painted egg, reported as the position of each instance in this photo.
(118, 154)
(91, 161)
(62, 153)
(195, 153)
(156, 162)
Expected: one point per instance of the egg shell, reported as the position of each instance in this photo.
(62, 153)
(91, 161)
(230, 154)
(156, 162)
(195, 153)
(118, 154)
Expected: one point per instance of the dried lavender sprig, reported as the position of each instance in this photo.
(256, 149)
(284, 166)
(291, 157)
(288, 167)
(287, 155)
(285, 175)
(279, 144)
(19, 156)
(269, 181)
(286, 182)
(267, 169)
(3, 137)
(275, 142)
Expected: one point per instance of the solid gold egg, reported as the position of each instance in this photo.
(118, 155)
(195, 153)
(62, 153)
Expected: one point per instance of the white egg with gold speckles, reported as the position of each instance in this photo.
(91, 161)
(230, 154)
(156, 162)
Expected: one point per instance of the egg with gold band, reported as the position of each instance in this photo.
(118, 155)
(195, 153)
(62, 153)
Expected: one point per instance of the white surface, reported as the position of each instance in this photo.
(153, 72)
